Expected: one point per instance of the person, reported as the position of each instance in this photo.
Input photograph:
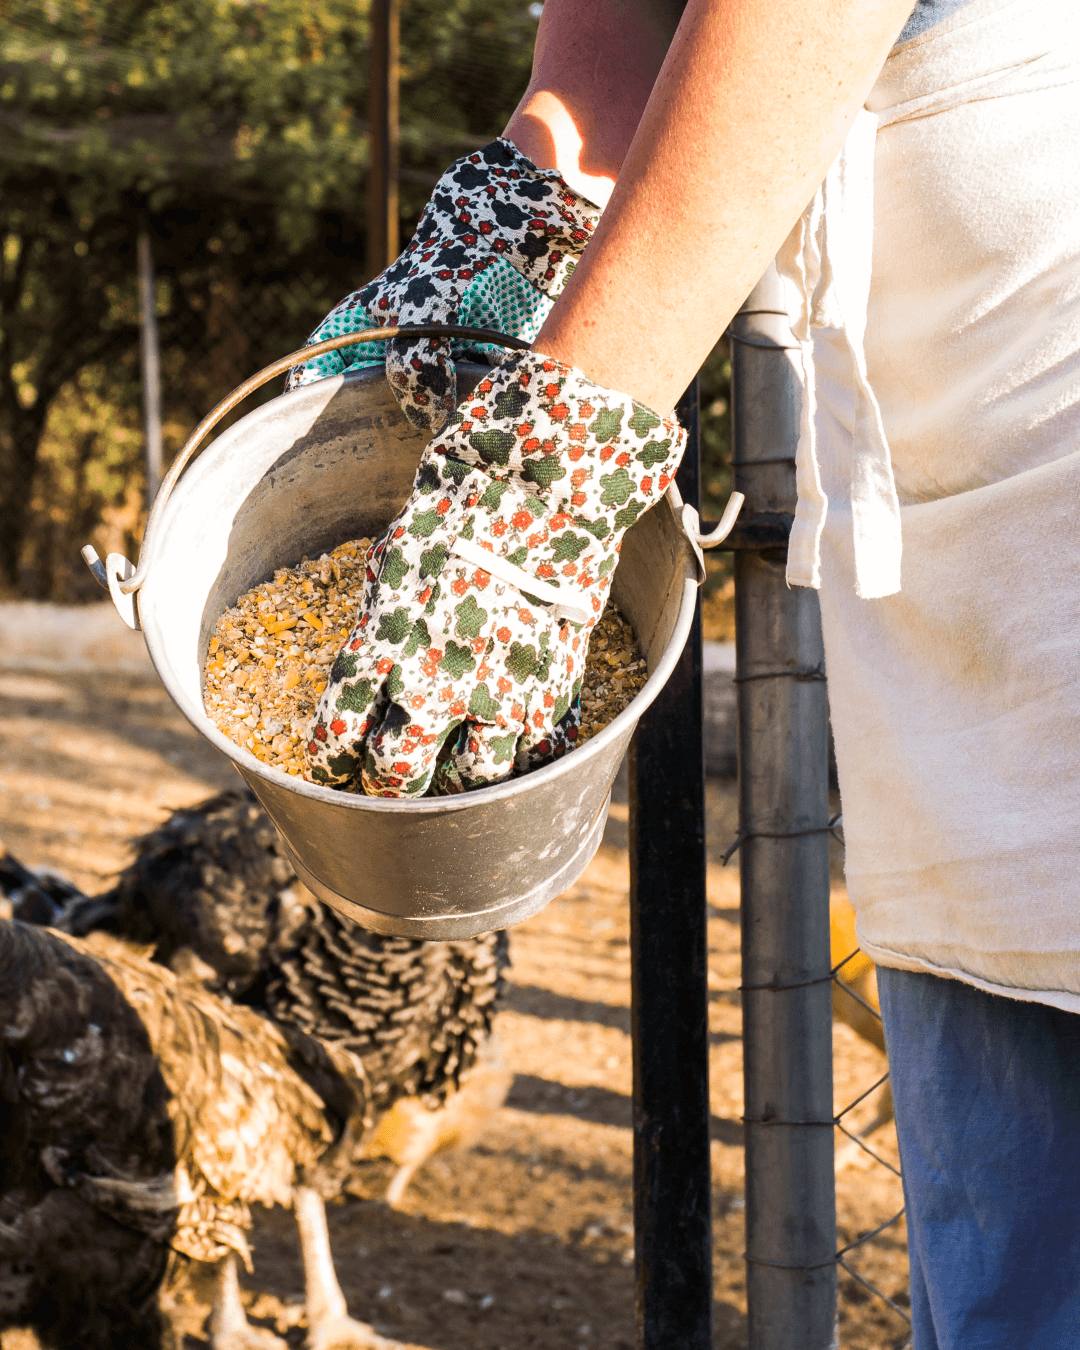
(653, 169)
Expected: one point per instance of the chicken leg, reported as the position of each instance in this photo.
(229, 1327)
(329, 1325)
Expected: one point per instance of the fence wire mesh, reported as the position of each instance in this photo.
(858, 1138)
(839, 1120)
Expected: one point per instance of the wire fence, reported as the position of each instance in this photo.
(839, 1120)
(858, 1139)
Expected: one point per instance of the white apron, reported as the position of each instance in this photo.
(936, 285)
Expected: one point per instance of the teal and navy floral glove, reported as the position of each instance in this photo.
(493, 249)
(466, 662)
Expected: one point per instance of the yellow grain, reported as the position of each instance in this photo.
(315, 605)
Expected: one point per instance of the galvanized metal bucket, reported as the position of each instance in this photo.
(333, 461)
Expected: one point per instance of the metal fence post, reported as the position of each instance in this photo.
(382, 188)
(150, 359)
(669, 997)
(784, 859)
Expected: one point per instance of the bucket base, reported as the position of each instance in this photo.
(443, 927)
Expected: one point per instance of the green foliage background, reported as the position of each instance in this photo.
(235, 132)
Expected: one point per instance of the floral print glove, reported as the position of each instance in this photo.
(466, 662)
(493, 249)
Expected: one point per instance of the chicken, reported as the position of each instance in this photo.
(33, 896)
(411, 1132)
(207, 882)
(274, 1034)
(211, 891)
(144, 1114)
(83, 1096)
(862, 1014)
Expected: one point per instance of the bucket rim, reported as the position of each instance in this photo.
(624, 722)
(621, 725)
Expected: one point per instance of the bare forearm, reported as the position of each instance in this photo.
(593, 71)
(752, 104)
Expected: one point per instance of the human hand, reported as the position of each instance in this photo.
(493, 249)
(465, 664)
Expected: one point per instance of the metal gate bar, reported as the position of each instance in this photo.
(784, 860)
(383, 105)
(669, 996)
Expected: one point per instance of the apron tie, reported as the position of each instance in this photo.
(828, 256)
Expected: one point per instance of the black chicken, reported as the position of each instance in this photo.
(203, 1036)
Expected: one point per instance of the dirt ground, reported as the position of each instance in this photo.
(524, 1241)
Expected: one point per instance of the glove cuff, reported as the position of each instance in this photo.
(529, 216)
(593, 453)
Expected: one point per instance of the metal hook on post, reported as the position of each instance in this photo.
(691, 523)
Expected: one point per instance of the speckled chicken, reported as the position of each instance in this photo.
(259, 1040)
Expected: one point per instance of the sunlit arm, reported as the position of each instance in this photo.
(594, 68)
(749, 109)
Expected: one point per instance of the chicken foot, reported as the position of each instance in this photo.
(329, 1325)
(229, 1327)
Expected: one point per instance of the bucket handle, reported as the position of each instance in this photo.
(122, 581)
(132, 580)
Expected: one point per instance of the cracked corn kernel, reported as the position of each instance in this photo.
(615, 670)
(270, 654)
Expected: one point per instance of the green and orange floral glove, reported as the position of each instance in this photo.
(494, 248)
(465, 664)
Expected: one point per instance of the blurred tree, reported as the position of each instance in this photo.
(58, 313)
(718, 599)
(715, 392)
(231, 131)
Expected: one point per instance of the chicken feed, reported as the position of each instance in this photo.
(270, 657)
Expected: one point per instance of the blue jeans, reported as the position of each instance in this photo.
(987, 1094)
